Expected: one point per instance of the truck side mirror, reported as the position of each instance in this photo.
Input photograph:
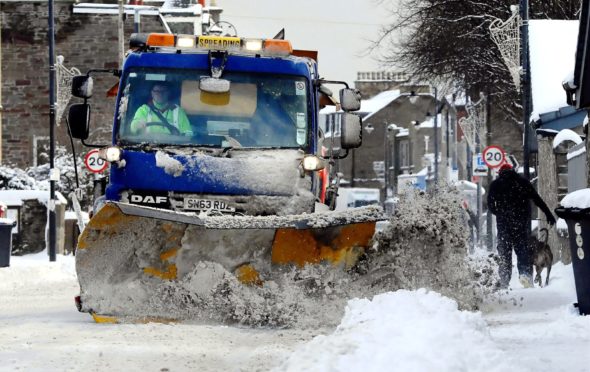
(79, 120)
(350, 99)
(350, 131)
(82, 86)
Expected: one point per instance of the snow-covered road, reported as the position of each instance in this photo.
(535, 329)
(40, 330)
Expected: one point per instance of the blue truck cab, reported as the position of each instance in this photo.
(221, 125)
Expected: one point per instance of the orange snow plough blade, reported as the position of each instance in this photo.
(131, 259)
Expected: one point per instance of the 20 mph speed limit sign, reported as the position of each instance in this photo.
(494, 156)
(94, 163)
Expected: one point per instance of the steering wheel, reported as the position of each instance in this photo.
(173, 130)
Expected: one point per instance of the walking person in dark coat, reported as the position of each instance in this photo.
(509, 199)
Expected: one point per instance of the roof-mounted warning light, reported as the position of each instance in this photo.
(213, 43)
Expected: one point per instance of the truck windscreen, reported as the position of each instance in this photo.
(167, 107)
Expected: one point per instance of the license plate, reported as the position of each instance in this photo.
(218, 42)
(194, 204)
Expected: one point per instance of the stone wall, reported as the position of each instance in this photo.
(86, 41)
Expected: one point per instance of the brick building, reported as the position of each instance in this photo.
(84, 40)
(398, 132)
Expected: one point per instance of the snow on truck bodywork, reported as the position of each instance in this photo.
(230, 176)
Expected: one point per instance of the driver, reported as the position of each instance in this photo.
(159, 107)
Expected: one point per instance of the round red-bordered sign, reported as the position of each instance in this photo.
(494, 156)
(93, 163)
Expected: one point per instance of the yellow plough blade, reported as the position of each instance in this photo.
(131, 260)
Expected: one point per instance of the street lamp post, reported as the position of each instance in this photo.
(389, 138)
(525, 84)
(435, 136)
(52, 171)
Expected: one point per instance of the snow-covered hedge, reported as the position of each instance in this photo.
(37, 178)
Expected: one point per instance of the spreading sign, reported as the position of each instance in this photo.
(94, 163)
(494, 156)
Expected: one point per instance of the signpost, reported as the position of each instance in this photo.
(93, 163)
(494, 156)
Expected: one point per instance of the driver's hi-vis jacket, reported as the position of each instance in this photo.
(174, 114)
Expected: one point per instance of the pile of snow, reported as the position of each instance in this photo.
(170, 165)
(405, 331)
(577, 199)
(566, 135)
(425, 246)
(35, 271)
(14, 198)
(37, 177)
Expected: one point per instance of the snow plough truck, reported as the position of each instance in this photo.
(233, 171)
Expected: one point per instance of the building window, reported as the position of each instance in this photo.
(404, 154)
(40, 150)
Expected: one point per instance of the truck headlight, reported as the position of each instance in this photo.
(313, 163)
(111, 154)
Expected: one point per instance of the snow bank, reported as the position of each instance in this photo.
(35, 271)
(566, 135)
(577, 199)
(403, 331)
(14, 198)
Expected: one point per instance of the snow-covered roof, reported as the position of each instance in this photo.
(566, 135)
(14, 198)
(375, 104)
(430, 122)
(552, 46)
(403, 133)
(372, 105)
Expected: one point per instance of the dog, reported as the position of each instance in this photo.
(542, 256)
